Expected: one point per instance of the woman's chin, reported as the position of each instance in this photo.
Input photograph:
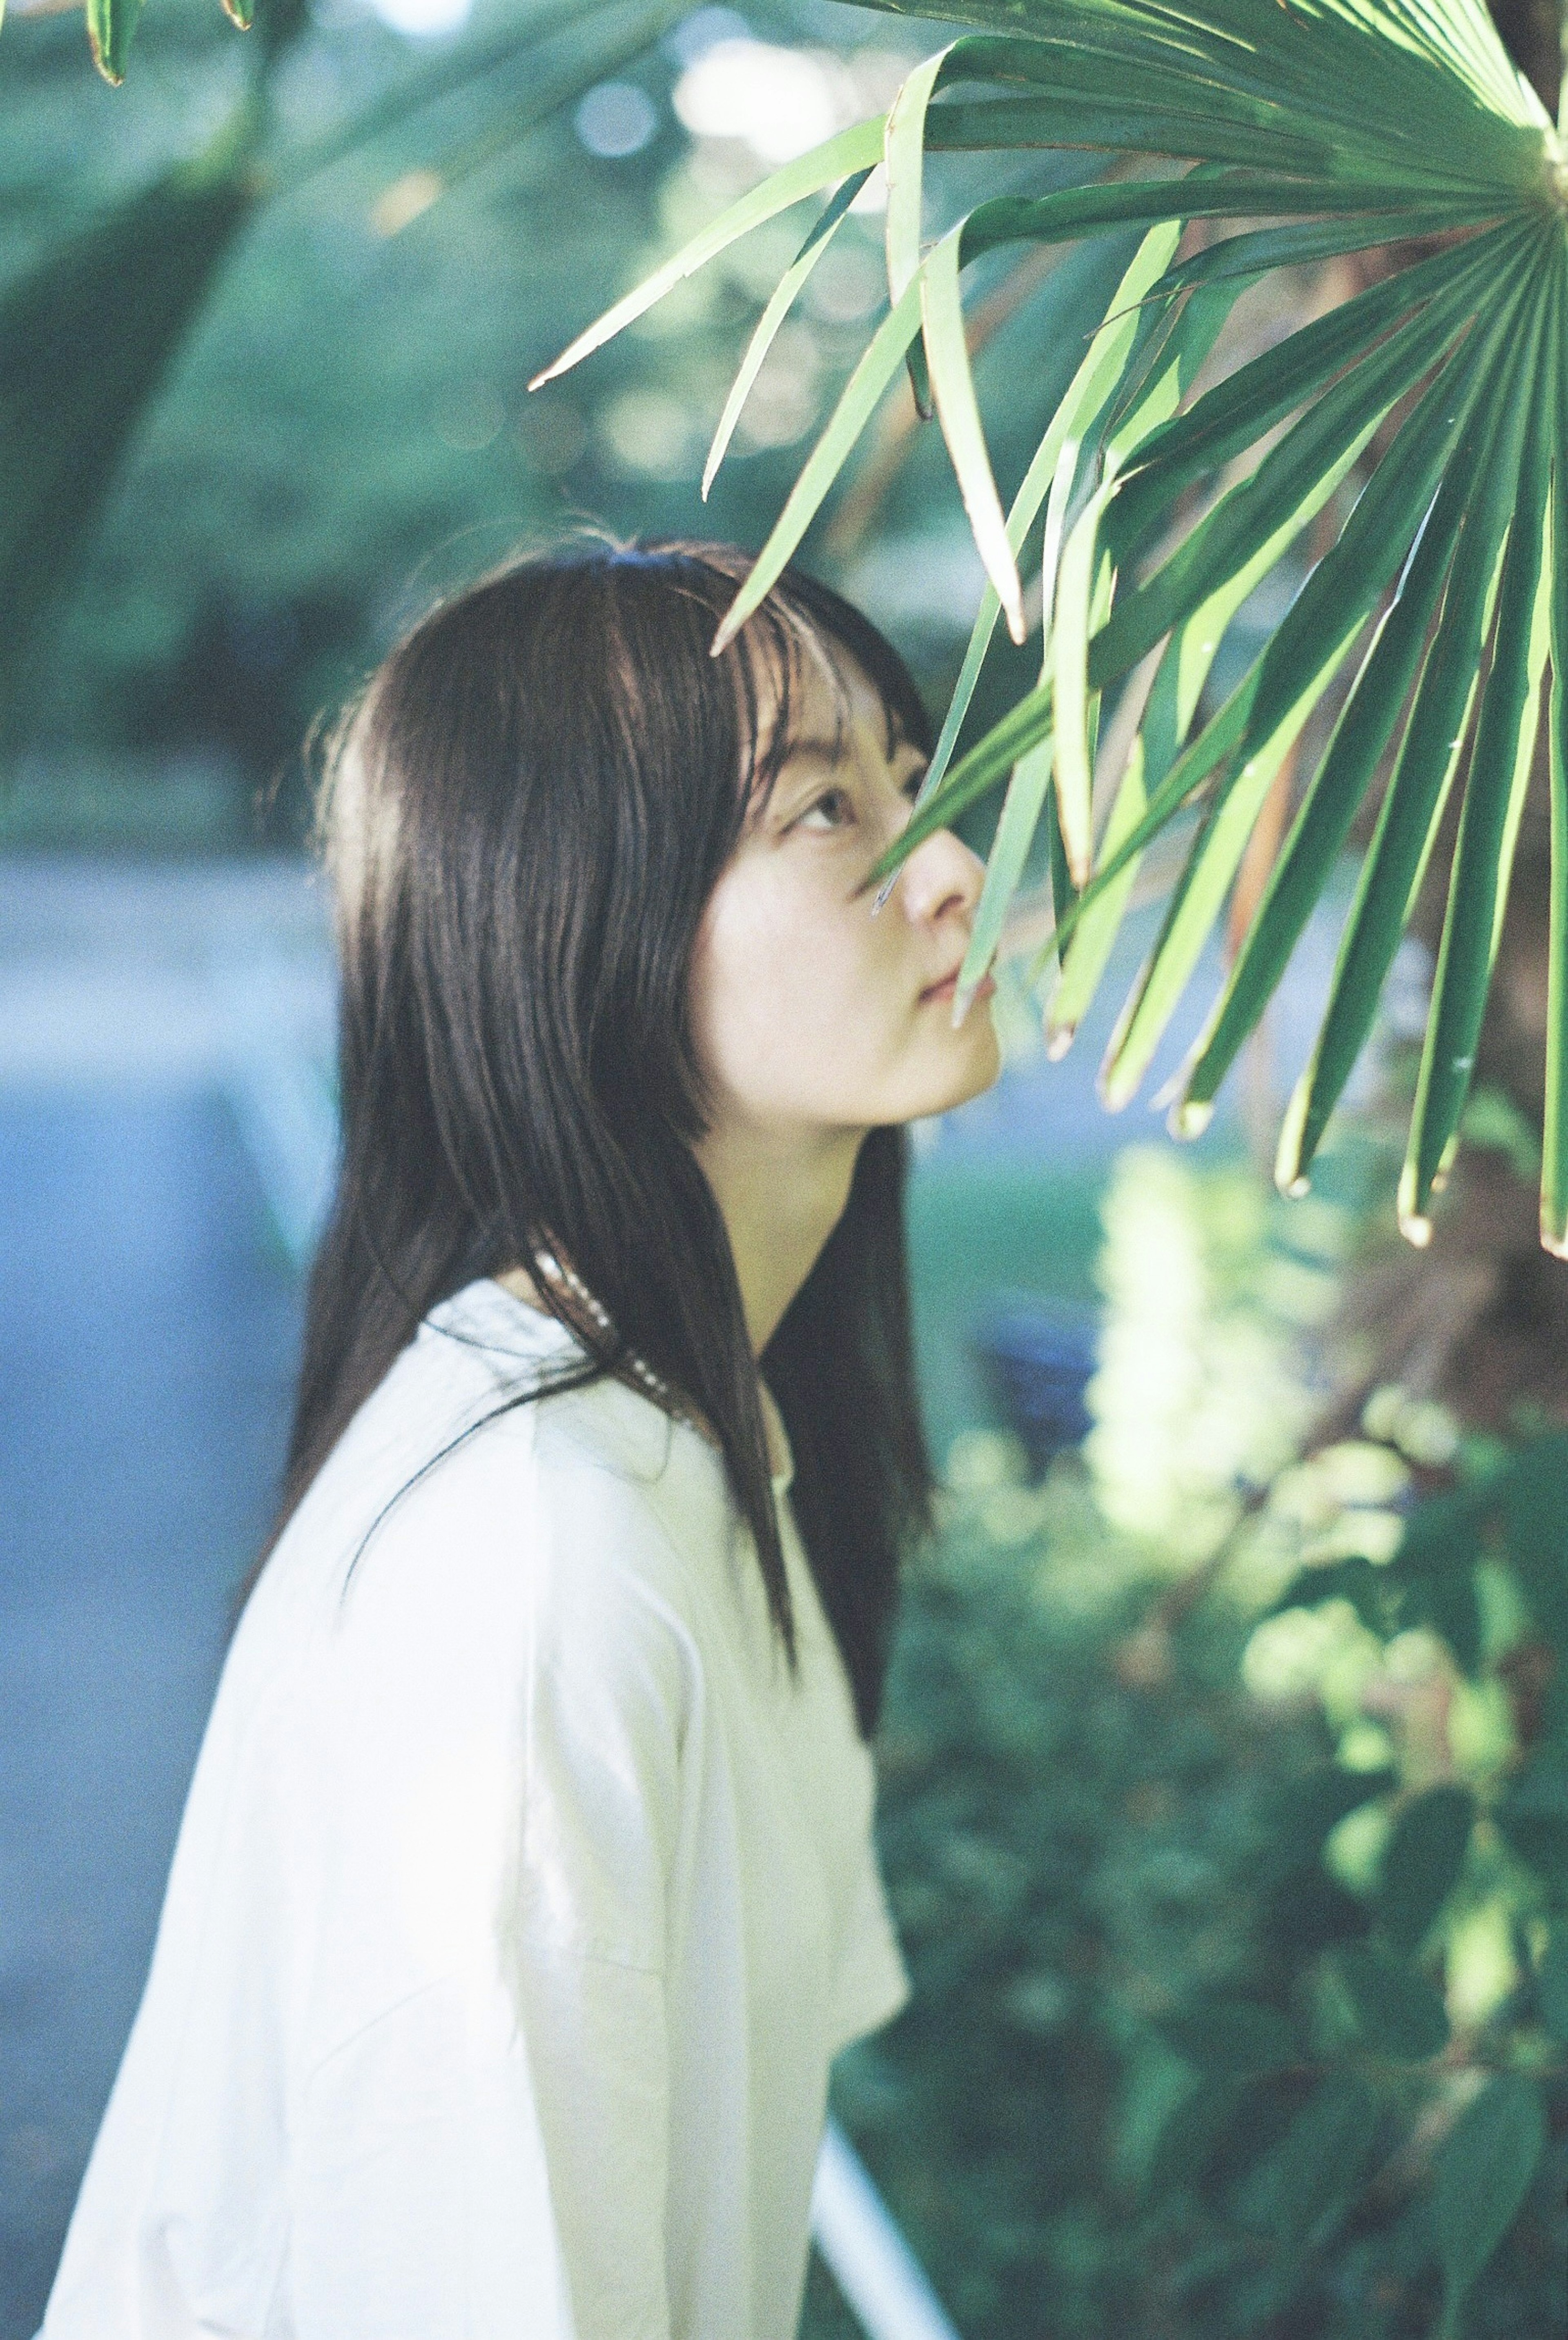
(973, 1066)
(988, 1056)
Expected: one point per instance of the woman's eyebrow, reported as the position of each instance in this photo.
(827, 751)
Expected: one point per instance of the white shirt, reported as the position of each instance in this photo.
(520, 1902)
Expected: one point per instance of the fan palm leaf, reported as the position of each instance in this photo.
(1317, 127)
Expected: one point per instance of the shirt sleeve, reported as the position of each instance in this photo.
(873, 1983)
(613, 1694)
(490, 2156)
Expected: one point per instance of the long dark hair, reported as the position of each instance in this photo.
(523, 816)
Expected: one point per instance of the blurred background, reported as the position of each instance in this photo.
(267, 314)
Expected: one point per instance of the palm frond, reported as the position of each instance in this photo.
(1321, 128)
(783, 299)
(84, 340)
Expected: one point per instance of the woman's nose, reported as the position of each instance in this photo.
(941, 875)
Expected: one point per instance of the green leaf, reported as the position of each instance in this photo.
(1190, 2137)
(1072, 212)
(1184, 670)
(1414, 802)
(1000, 125)
(1063, 893)
(1178, 344)
(1194, 905)
(1009, 851)
(1446, 1533)
(1232, 2038)
(1101, 118)
(1449, 1605)
(1302, 658)
(1533, 1814)
(1397, 2012)
(1115, 355)
(1083, 960)
(1554, 1123)
(1258, 253)
(1079, 597)
(1305, 1809)
(1312, 2177)
(1421, 1861)
(1297, 90)
(1090, 390)
(1075, 613)
(1237, 412)
(1251, 512)
(1342, 590)
(880, 363)
(1334, 793)
(1535, 1505)
(1551, 1982)
(1488, 828)
(856, 149)
(1322, 825)
(986, 765)
(1450, 1531)
(1214, 747)
(904, 149)
(784, 297)
(1057, 504)
(953, 387)
(1481, 2175)
(1368, 1589)
(1340, 131)
(109, 24)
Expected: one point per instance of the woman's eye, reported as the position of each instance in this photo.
(915, 783)
(831, 810)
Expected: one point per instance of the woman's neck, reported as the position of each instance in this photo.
(522, 1285)
(780, 1198)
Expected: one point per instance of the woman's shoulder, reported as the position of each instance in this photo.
(465, 1484)
(600, 1454)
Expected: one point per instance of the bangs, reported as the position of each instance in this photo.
(799, 623)
(801, 628)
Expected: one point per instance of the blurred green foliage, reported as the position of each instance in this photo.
(346, 406)
(1232, 1871)
(249, 452)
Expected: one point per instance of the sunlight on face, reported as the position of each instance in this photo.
(810, 1014)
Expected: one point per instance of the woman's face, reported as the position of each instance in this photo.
(810, 1014)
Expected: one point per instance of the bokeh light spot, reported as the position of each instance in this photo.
(423, 20)
(778, 101)
(615, 119)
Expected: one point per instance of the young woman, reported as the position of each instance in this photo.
(525, 1886)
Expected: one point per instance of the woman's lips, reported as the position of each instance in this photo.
(950, 985)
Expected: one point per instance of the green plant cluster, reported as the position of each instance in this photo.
(1235, 1895)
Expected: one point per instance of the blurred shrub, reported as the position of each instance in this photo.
(1235, 1891)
